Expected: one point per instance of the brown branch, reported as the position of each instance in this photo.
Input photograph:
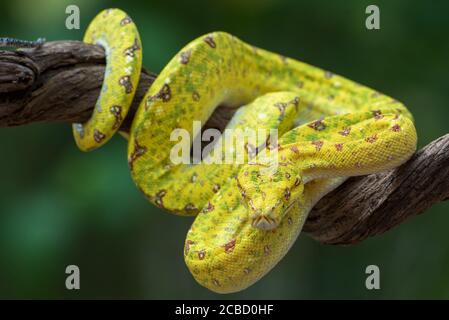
(60, 82)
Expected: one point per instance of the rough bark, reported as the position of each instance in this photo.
(60, 82)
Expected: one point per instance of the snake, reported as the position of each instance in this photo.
(247, 215)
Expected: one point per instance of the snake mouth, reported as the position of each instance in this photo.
(264, 223)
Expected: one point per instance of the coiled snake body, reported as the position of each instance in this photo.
(247, 215)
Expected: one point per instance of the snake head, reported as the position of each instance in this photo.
(268, 192)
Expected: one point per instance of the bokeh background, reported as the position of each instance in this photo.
(59, 206)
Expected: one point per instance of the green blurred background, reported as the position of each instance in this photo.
(59, 206)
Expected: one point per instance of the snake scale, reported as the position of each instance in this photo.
(247, 215)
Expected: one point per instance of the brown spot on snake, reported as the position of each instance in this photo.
(185, 56)
(371, 139)
(287, 194)
(187, 246)
(117, 112)
(317, 125)
(266, 250)
(210, 207)
(339, 146)
(210, 41)
(190, 207)
(125, 81)
(281, 106)
(126, 20)
(195, 96)
(138, 151)
(130, 51)
(158, 198)
(229, 247)
(318, 145)
(377, 114)
(345, 131)
(164, 94)
(297, 181)
(98, 136)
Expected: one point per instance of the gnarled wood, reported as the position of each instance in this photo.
(60, 82)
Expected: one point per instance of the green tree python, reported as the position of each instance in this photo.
(247, 215)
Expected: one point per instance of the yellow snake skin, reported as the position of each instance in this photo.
(247, 215)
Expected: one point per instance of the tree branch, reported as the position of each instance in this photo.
(60, 82)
